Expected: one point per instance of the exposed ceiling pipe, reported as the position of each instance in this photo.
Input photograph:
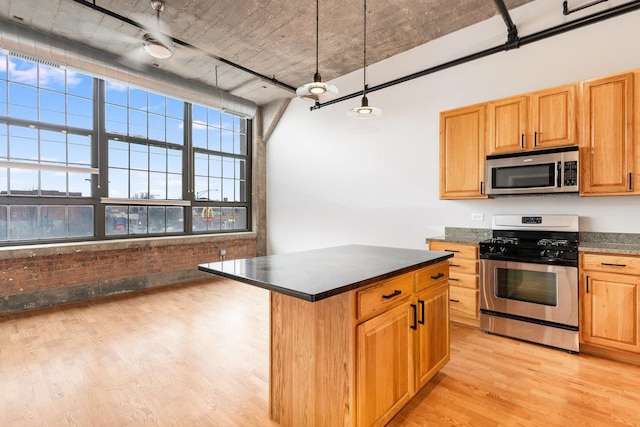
(271, 80)
(512, 37)
(21, 39)
(540, 35)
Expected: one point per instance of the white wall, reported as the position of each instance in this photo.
(334, 180)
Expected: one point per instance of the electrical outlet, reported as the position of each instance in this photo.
(477, 216)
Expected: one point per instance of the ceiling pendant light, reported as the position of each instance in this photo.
(317, 91)
(155, 44)
(365, 111)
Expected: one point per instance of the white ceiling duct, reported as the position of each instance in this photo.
(21, 39)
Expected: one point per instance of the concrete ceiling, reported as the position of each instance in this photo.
(275, 38)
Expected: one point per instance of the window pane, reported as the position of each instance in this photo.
(139, 184)
(201, 164)
(228, 168)
(23, 71)
(228, 190)
(54, 183)
(53, 147)
(174, 161)
(4, 142)
(3, 223)
(118, 183)
(215, 166)
(137, 220)
(79, 184)
(79, 84)
(158, 186)
(227, 121)
(3, 98)
(81, 219)
(138, 99)
(79, 112)
(240, 144)
(175, 108)
(116, 220)
(79, 150)
(214, 139)
(227, 141)
(174, 186)
(116, 119)
(23, 102)
(199, 133)
(157, 103)
(199, 114)
(215, 189)
(175, 131)
(116, 93)
(175, 219)
(118, 154)
(158, 159)
(213, 117)
(4, 183)
(240, 219)
(51, 78)
(23, 182)
(23, 143)
(23, 222)
(157, 220)
(138, 123)
(52, 107)
(53, 222)
(156, 127)
(139, 156)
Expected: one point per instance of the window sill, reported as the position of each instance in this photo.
(30, 251)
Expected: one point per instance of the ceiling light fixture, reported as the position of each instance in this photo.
(317, 90)
(154, 45)
(365, 111)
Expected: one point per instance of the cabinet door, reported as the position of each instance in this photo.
(507, 120)
(608, 151)
(462, 140)
(432, 343)
(553, 116)
(610, 310)
(384, 364)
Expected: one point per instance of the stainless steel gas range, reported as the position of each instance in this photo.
(529, 279)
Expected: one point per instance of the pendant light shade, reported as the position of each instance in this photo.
(364, 111)
(317, 91)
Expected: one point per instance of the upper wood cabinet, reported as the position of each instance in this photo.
(608, 154)
(462, 142)
(542, 119)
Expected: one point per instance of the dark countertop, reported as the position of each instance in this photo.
(321, 273)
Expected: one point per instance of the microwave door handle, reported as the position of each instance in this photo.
(559, 175)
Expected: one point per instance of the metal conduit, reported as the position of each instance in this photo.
(540, 35)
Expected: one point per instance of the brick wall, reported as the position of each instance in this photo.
(32, 277)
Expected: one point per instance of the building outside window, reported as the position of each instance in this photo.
(85, 159)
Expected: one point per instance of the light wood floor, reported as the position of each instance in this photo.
(197, 355)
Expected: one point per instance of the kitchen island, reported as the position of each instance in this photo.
(356, 330)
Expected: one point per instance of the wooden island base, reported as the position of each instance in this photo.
(355, 359)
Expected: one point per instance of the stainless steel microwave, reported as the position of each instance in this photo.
(538, 172)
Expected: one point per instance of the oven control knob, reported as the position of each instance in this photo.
(492, 249)
(544, 253)
(502, 250)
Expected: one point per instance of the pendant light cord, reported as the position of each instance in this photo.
(364, 90)
(317, 32)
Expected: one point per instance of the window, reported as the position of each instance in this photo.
(69, 172)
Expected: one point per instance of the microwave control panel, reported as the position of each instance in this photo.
(570, 173)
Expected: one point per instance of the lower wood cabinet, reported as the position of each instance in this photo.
(355, 359)
(610, 302)
(463, 280)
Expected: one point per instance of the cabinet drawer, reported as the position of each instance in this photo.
(611, 263)
(462, 266)
(380, 297)
(461, 250)
(469, 281)
(463, 302)
(432, 275)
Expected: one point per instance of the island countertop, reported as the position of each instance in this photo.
(321, 273)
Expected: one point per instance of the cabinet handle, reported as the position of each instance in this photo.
(481, 189)
(454, 279)
(392, 295)
(437, 276)
(587, 284)
(451, 250)
(522, 140)
(454, 300)
(421, 321)
(630, 180)
(535, 139)
(415, 317)
(454, 265)
(613, 265)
